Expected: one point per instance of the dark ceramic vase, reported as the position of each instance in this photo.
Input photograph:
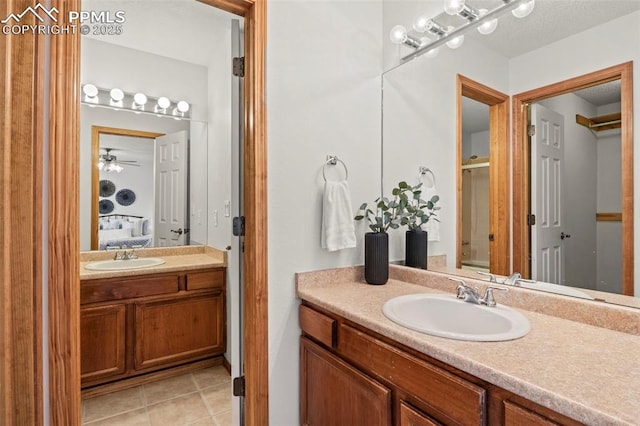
(376, 257)
(416, 248)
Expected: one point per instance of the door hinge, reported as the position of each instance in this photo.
(238, 226)
(238, 386)
(491, 237)
(531, 129)
(531, 219)
(238, 66)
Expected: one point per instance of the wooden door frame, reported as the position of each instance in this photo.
(498, 173)
(521, 188)
(96, 131)
(24, 128)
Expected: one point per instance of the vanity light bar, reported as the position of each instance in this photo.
(473, 19)
(137, 102)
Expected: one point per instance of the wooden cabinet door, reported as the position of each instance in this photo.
(102, 342)
(171, 331)
(334, 393)
(409, 416)
(515, 415)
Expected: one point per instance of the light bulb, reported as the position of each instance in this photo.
(183, 106)
(455, 42)
(163, 102)
(421, 23)
(453, 7)
(90, 90)
(524, 9)
(489, 26)
(117, 96)
(117, 168)
(398, 34)
(139, 100)
(90, 93)
(100, 164)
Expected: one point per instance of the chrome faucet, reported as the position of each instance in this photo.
(492, 277)
(126, 255)
(472, 295)
(515, 279)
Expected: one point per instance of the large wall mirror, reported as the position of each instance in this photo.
(127, 200)
(431, 119)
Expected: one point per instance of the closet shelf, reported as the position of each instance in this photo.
(600, 123)
(609, 217)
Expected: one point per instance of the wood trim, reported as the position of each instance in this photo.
(21, 191)
(521, 205)
(597, 124)
(64, 249)
(500, 259)
(609, 217)
(96, 131)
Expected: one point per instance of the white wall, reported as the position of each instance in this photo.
(323, 97)
(580, 190)
(615, 42)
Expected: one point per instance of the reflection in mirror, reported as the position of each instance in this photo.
(419, 113)
(475, 185)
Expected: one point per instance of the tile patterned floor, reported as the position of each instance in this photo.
(200, 398)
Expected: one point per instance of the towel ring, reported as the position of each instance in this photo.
(332, 160)
(422, 170)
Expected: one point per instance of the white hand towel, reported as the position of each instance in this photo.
(338, 231)
(433, 226)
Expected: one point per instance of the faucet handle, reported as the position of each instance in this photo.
(492, 277)
(488, 298)
(517, 281)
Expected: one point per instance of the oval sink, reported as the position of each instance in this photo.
(446, 316)
(121, 265)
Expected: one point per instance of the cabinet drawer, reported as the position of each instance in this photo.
(515, 415)
(93, 291)
(409, 416)
(317, 325)
(451, 399)
(205, 280)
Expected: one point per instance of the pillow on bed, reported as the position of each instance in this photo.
(114, 234)
(135, 225)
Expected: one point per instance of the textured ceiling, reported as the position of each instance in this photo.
(550, 21)
(603, 94)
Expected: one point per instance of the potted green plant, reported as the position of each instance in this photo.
(388, 214)
(416, 213)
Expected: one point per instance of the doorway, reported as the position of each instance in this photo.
(522, 200)
(491, 184)
(63, 295)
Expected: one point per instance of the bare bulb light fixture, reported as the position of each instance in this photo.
(140, 103)
(484, 20)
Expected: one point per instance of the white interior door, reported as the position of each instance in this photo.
(171, 227)
(547, 191)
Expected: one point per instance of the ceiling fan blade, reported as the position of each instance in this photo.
(127, 161)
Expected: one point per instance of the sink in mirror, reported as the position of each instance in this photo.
(446, 316)
(123, 265)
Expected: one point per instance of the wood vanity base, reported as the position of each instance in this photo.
(137, 325)
(352, 375)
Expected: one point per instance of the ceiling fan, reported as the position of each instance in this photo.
(109, 163)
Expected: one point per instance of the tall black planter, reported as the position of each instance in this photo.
(376, 257)
(416, 248)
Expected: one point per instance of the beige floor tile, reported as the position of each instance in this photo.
(204, 422)
(169, 388)
(112, 404)
(132, 418)
(218, 398)
(180, 411)
(223, 419)
(212, 376)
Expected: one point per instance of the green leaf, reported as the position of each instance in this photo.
(359, 217)
(396, 191)
(435, 199)
(403, 185)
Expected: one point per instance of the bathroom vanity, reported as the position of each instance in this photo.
(358, 367)
(134, 322)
